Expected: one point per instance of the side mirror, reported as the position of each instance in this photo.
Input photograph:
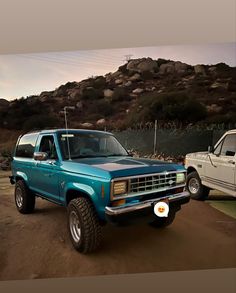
(40, 156)
(210, 149)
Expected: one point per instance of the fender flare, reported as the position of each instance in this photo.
(21, 175)
(84, 189)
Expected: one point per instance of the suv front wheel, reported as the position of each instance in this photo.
(195, 187)
(83, 225)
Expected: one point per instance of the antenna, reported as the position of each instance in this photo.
(66, 124)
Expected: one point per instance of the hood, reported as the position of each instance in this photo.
(196, 154)
(114, 167)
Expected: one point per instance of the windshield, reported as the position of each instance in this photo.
(76, 145)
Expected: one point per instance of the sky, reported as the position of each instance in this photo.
(23, 75)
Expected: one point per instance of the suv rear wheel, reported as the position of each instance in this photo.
(24, 198)
(83, 225)
(195, 187)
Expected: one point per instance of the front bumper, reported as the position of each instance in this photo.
(175, 200)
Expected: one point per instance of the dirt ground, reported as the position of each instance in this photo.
(37, 245)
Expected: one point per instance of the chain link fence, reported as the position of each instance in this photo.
(169, 142)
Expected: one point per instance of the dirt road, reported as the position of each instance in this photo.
(37, 245)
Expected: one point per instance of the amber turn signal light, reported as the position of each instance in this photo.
(119, 202)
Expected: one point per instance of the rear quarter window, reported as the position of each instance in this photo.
(26, 145)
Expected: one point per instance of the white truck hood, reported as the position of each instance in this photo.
(199, 155)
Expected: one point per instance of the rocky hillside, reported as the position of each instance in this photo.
(140, 91)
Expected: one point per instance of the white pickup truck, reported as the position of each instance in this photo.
(214, 169)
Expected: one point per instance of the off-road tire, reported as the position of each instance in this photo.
(24, 198)
(90, 228)
(202, 192)
(162, 222)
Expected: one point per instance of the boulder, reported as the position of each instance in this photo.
(4, 103)
(43, 99)
(141, 65)
(74, 94)
(214, 108)
(199, 69)
(147, 65)
(137, 91)
(128, 83)
(133, 65)
(79, 105)
(150, 89)
(180, 67)
(135, 77)
(108, 93)
(218, 84)
(133, 95)
(118, 81)
(167, 68)
(101, 121)
(46, 93)
(212, 69)
(116, 74)
(86, 125)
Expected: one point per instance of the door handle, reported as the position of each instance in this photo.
(231, 162)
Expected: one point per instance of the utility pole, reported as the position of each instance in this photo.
(155, 138)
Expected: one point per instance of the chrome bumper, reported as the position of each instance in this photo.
(114, 211)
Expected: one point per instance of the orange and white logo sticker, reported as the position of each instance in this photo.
(161, 209)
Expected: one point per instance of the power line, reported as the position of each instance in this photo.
(64, 61)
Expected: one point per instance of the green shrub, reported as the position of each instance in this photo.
(123, 69)
(6, 153)
(92, 94)
(119, 94)
(97, 82)
(146, 75)
(161, 61)
(176, 106)
(101, 108)
(40, 121)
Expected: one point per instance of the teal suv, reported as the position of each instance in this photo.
(91, 174)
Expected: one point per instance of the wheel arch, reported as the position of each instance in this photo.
(191, 169)
(73, 193)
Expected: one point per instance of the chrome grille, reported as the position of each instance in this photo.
(154, 182)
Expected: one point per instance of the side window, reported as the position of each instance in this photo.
(47, 145)
(26, 145)
(229, 145)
